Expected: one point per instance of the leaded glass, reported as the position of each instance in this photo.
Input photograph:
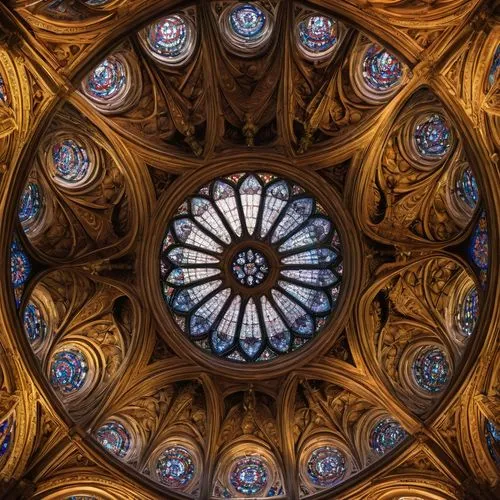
(431, 369)
(175, 467)
(251, 266)
(4, 96)
(381, 69)
(169, 37)
(30, 204)
(317, 34)
(34, 322)
(20, 269)
(68, 371)
(433, 136)
(494, 68)
(107, 80)
(95, 3)
(469, 312)
(249, 475)
(492, 434)
(247, 21)
(386, 435)
(478, 247)
(326, 466)
(114, 438)
(467, 188)
(71, 161)
(5, 437)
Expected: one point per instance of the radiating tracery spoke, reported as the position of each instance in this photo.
(267, 260)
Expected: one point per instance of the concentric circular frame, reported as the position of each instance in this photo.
(353, 267)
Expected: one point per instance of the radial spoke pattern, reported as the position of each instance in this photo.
(251, 267)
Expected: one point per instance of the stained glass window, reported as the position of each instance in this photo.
(431, 369)
(326, 466)
(71, 161)
(467, 188)
(317, 34)
(169, 36)
(114, 438)
(5, 437)
(4, 96)
(20, 269)
(381, 69)
(494, 68)
(68, 370)
(94, 3)
(280, 280)
(478, 247)
(249, 475)
(34, 322)
(107, 80)
(469, 312)
(30, 205)
(492, 434)
(247, 21)
(433, 136)
(386, 435)
(175, 468)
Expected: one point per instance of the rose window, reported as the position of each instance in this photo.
(251, 267)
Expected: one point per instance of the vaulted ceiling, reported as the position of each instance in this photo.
(250, 249)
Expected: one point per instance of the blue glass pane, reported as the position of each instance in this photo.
(5, 437)
(114, 438)
(249, 475)
(71, 161)
(250, 267)
(107, 79)
(494, 68)
(175, 467)
(386, 435)
(4, 96)
(381, 70)
(492, 434)
(31, 203)
(469, 312)
(34, 323)
(68, 371)
(431, 369)
(318, 33)
(247, 21)
(467, 188)
(326, 466)
(20, 269)
(169, 36)
(433, 136)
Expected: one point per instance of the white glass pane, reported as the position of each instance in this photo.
(188, 232)
(276, 199)
(225, 199)
(315, 231)
(317, 277)
(186, 299)
(297, 212)
(186, 256)
(185, 276)
(206, 215)
(315, 300)
(250, 195)
(296, 317)
(277, 332)
(224, 335)
(250, 334)
(204, 317)
(310, 257)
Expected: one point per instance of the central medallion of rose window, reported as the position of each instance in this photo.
(251, 267)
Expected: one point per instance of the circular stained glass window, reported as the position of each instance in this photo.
(381, 70)
(247, 21)
(469, 312)
(169, 37)
(432, 136)
(317, 34)
(249, 475)
(114, 438)
(386, 435)
(68, 370)
(71, 161)
(175, 468)
(30, 205)
(467, 188)
(106, 80)
(251, 267)
(326, 466)
(20, 266)
(34, 323)
(431, 369)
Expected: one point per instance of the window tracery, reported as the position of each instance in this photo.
(68, 370)
(6, 436)
(431, 369)
(433, 138)
(71, 161)
(381, 70)
(326, 466)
